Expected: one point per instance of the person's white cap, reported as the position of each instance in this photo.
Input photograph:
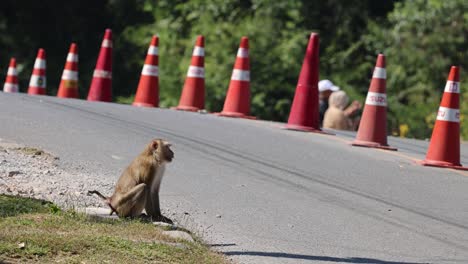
(327, 85)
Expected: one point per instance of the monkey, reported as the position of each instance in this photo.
(138, 186)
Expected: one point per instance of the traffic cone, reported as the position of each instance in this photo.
(37, 84)
(148, 87)
(237, 103)
(444, 148)
(69, 84)
(193, 93)
(304, 115)
(372, 132)
(11, 82)
(101, 85)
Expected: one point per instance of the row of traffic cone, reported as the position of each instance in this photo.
(444, 148)
(37, 82)
(100, 89)
(237, 102)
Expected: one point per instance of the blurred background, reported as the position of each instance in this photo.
(421, 39)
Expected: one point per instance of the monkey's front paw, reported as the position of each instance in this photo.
(162, 218)
(145, 218)
(167, 220)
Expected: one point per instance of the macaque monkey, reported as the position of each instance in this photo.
(138, 186)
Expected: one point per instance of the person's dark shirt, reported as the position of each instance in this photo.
(323, 106)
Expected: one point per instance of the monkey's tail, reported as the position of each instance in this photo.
(98, 194)
(106, 199)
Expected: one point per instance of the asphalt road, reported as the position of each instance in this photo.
(262, 194)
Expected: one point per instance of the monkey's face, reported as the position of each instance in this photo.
(162, 150)
(168, 153)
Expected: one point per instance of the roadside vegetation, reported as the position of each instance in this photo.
(36, 231)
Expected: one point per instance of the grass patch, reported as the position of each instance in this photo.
(125, 99)
(13, 205)
(50, 235)
(31, 151)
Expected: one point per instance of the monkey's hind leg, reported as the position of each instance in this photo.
(132, 202)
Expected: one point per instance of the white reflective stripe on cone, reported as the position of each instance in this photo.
(197, 72)
(102, 74)
(379, 73)
(10, 87)
(153, 50)
(38, 81)
(452, 87)
(378, 99)
(71, 57)
(106, 43)
(150, 70)
(448, 114)
(240, 75)
(40, 64)
(198, 51)
(12, 71)
(243, 53)
(70, 75)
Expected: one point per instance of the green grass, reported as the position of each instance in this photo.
(52, 235)
(125, 99)
(12, 206)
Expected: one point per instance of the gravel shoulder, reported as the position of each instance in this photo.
(32, 172)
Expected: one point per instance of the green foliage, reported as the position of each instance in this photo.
(125, 99)
(423, 39)
(54, 25)
(278, 32)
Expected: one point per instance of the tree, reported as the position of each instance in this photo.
(422, 39)
(278, 33)
(26, 26)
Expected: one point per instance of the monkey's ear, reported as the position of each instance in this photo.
(155, 144)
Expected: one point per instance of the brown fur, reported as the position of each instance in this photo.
(136, 188)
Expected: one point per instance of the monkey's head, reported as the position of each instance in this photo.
(161, 150)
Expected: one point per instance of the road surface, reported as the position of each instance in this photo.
(262, 194)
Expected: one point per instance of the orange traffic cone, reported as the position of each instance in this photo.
(37, 84)
(304, 115)
(237, 103)
(444, 148)
(69, 84)
(193, 93)
(11, 82)
(148, 88)
(372, 131)
(101, 85)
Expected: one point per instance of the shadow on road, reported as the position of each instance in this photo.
(316, 258)
(222, 245)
